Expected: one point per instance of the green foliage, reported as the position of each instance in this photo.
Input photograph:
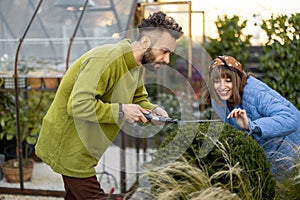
(7, 113)
(33, 106)
(230, 157)
(182, 180)
(178, 106)
(231, 40)
(288, 189)
(280, 60)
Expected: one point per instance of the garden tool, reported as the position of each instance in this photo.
(158, 118)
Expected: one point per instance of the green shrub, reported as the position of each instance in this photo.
(230, 40)
(288, 189)
(181, 180)
(229, 157)
(280, 60)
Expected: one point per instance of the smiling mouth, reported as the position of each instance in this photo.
(224, 93)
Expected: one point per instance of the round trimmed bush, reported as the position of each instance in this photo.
(230, 157)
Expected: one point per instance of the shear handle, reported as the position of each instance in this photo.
(159, 118)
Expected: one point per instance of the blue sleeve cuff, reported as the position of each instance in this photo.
(253, 128)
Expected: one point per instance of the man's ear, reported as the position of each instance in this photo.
(146, 42)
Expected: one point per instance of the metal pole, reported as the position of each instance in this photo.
(137, 143)
(74, 34)
(123, 163)
(19, 137)
(190, 50)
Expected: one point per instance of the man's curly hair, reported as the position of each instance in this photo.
(159, 21)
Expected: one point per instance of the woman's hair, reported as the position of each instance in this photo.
(227, 67)
(159, 22)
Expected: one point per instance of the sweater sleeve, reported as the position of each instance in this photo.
(141, 94)
(253, 128)
(141, 98)
(83, 102)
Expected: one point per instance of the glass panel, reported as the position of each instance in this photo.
(48, 38)
(44, 50)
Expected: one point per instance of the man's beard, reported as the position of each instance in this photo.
(148, 60)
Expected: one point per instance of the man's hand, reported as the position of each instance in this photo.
(161, 112)
(158, 111)
(134, 113)
(240, 117)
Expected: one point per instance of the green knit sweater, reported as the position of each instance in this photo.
(83, 119)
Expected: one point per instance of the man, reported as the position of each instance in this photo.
(102, 89)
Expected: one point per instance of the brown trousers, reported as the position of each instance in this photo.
(83, 188)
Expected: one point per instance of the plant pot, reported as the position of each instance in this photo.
(52, 79)
(34, 82)
(50, 82)
(34, 79)
(10, 170)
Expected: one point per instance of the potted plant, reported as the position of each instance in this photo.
(34, 79)
(32, 110)
(10, 170)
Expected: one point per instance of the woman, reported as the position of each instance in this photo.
(250, 105)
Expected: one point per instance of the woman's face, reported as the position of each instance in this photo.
(223, 87)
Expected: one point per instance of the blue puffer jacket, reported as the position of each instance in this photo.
(274, 123)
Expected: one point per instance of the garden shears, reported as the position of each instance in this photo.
(149, 116)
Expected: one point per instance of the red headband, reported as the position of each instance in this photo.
(229, 62)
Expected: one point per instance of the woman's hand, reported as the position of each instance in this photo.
(240, 117)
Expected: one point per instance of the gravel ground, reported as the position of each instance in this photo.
(42, 178)
(108, 170)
